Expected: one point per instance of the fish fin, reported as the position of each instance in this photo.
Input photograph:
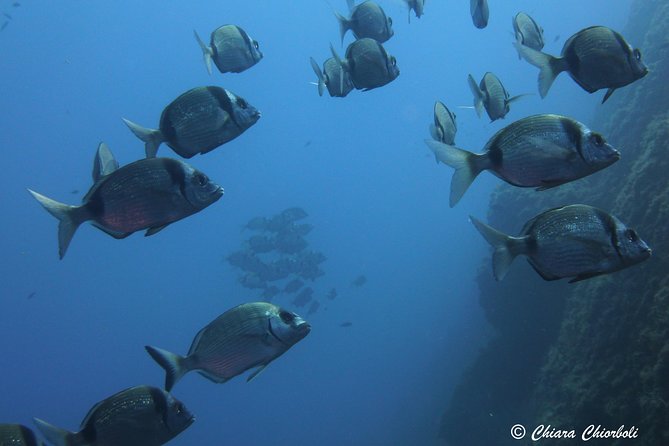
(207, 52)
(152, 138)
(550, 184)
(434, 133)
(56, 435)
(70, 217)
(518, 96)
(585, 276)
(104, 162)
(341, 67)
(467, 166)
(548, 65)
(608, 94)
(319, 74)
(256, 372)
(344, 25)
(478, 95)
(116, 234)
(506, 247)
(545, 276)
(154, 230)
(174, 365)
(351, 5)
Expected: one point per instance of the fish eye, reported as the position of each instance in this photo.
(597, 139)
(202, 179)
(632, 235)
(179, 408)
(241, 102)
(390, 21)
(255, 44)
(393, 61)
(286, 316)
(637, 54)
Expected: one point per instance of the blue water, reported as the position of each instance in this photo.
(70, 70)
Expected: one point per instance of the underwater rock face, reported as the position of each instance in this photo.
(596, 352)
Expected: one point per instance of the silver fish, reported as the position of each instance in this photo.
(138, 416)
(198, 121)
(246, 336)
(444, 127)
(366, 20)
(480, 13)
(368, 63)
(231, 49)
(528, 32)
(417, 6)
(491, 95)
(576, 241)
(17, 435)
(595, 57)
(337, 81)
(541, 151)
(147, 194)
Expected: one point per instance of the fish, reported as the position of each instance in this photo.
(289, 243)
(575, 241)
(293, 286)
(480, 13)
(250, 335)
(138, 416)
(198, 121)
(368, 63)
(333, 78)
(332, 294)
(4, 25)
(18, 435)
(346, 324)
(231, 49)
(528, 32)
(30, 296)
(596, 58)
(16, 4)
(313, 308)
(7, 15)
(359, 281)
(491, 95)
(367, 19)
(445, 126)
(303, 297)
(261, 244)
(293, 214)
(269, 292)
(541, 151)
(256, 224)
(417, 7)
(252, 280)
(147, 194)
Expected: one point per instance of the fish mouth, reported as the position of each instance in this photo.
(305, 328)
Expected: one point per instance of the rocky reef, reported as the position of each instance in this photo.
(594, 352)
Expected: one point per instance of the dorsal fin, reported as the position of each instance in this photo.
(104, 162)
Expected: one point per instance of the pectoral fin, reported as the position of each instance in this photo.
(585, 276)
(608, 94)
(154, 230)
(256, 372)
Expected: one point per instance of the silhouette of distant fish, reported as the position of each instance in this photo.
(332, 294)
(359, 281)
(417, 7)
(313, 308)
(293, 286)
(303, 297)
(346, 324)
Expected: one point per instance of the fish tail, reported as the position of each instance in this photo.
(344, 25)
(341, 67)
(70, 217)
(467, 166)
(174, 365)
(549, 66)
(207, 52)
(319, 74)
(506, 247)
(152, 138)
(58, 436)
(478, 95)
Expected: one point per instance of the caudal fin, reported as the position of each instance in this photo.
(173, 364)
(55, 435)
(506, 247)
(549, 66)
(152, 138)
(344, 25)
(207, 52)
(70, 217)
(319, 75)
(478, 95)
(467, 166)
